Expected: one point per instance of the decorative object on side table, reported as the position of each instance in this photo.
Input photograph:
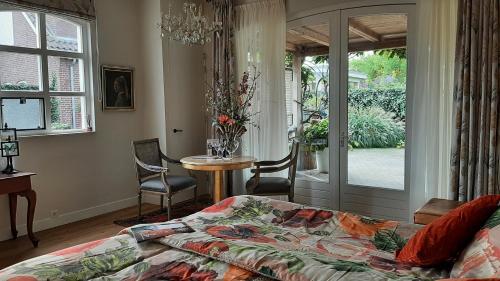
(117, 88)
(231, 112)
(9, 146)
(191, 28)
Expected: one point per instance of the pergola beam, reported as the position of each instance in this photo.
(356, 47)
(311, 35)
(363, 31)
(291, 47)
(386, 44)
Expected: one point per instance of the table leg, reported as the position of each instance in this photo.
(13, 211)
(218, 186)
(31, 197)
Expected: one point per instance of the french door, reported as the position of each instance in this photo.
(369, 64)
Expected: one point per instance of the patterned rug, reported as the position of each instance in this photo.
(178, 211)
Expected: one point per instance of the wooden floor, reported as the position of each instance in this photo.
(14, 251)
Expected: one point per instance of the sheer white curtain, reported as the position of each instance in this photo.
(260, 34)
(432, 100)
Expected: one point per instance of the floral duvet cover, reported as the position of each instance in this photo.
(242, 238)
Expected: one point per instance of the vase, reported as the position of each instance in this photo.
(230, 144)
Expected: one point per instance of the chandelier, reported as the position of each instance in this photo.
(191, 28)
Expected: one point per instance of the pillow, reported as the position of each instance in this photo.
(481, 259)
(446, 236)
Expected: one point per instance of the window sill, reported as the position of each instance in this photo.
(25, 134)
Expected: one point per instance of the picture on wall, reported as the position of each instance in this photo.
(117, 88)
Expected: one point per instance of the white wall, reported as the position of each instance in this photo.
(88, 174)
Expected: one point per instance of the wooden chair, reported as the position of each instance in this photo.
(266, 186)
(154, 178)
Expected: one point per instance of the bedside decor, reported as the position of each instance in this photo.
(191, 28)
(230, 109)
(9, 145)
(117, 88)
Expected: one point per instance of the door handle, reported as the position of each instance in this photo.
(342, 139)
(178, 131)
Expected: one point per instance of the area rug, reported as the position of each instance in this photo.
(178, 211)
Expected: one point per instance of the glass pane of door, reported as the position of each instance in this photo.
(376, 100)
(307, 90)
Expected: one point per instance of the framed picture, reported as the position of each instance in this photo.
(117, 88)
(8, 134)
(10, 148)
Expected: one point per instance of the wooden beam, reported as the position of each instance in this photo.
(357, 47)
(310, 34)
(291, 47)
(369, 46)
(363, 31)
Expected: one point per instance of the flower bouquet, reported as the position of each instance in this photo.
(230, 108)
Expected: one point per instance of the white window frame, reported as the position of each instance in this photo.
(87, 56)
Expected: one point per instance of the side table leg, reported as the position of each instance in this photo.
(31, 197)
(13, 211)
(218, 186)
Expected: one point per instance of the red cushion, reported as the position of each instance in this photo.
(448, 235)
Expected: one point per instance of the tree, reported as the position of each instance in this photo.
(380, 67)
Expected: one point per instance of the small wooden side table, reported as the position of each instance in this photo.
(434, 209)
(218, 166)
(19, 184)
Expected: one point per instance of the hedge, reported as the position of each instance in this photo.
(392, 100)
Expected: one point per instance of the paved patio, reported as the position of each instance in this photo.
(379, 167)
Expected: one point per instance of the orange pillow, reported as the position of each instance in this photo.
(448, 235)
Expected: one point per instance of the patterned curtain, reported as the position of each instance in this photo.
(475, 158)
(76, 8)
(223, 63)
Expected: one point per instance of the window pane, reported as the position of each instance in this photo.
(23, 114)
(19, 72)
(19, 29)
(376, 96)
(63, 35)
(65, 74)
(67, 113)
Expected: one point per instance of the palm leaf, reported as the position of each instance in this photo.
(388, 240)
(494, 220)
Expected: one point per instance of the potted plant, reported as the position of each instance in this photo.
(316, 136)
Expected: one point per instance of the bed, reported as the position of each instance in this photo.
(242, 238)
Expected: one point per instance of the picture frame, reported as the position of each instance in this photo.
(8, 134)
(10, 148)
(117, 88)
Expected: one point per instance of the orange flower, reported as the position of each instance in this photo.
(79, 248)
(221, 206)
(356, 226)
(235, 273)
(223, 119)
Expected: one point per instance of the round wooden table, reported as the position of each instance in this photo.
(218, 166)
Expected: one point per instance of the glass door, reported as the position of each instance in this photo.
(311, 72)
(375, 94)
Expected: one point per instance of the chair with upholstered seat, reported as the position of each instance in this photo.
(266, 186)
(154, 178)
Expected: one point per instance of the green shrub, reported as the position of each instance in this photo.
(373, 127)
(392, 99)
(316, 135)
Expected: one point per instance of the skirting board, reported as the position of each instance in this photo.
(70, 217)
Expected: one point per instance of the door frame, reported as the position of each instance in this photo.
(375, 193)
(332, 186)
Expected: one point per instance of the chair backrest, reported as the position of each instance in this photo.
(147, 151)
(294, 156)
